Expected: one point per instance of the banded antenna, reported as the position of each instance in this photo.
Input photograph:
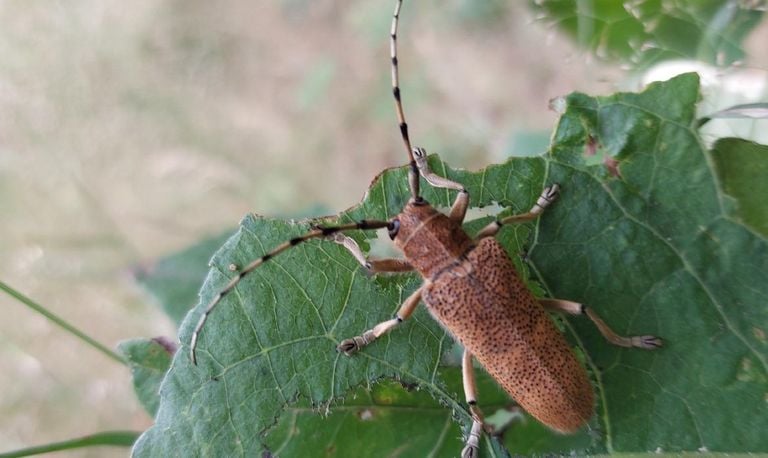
(316, 232)
(413, 175)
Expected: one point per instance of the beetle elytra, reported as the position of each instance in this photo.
(471, 287)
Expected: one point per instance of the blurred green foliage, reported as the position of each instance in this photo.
(644, 32)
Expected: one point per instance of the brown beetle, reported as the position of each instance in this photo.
(471, 287)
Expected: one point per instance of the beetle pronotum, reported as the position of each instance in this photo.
(471, 287)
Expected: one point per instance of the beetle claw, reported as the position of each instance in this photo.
(470, 451)
(647, 342)
(348, 347)
(551, 192)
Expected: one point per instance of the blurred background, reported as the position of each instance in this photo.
(129, 131)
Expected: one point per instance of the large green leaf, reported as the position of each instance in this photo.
(647, 31)
(653, 250)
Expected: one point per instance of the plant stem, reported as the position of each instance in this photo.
(112, 438)
(59, 321)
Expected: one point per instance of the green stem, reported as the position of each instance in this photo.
(112, 438)
(59, 321)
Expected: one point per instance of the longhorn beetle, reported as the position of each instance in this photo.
(471, 288)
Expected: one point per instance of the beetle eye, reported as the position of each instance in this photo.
(393, 228)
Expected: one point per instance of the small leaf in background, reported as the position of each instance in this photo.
(653, 250)
(175, 280)
(149, 360)
(742, 167)
(645, 32)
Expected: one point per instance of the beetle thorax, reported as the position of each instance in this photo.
(430, 240)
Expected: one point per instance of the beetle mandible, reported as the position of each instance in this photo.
(471, 287)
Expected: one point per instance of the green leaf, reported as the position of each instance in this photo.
(648, 31)
(660, 253)
(742, 167)
(149, 360)
(382, 417)
(652, 249)
(379, 416)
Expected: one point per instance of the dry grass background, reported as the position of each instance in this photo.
(129, 130)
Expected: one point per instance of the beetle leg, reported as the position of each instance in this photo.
(575, 308)
(470, 393)
(548, 195)
(372, 265)
(353, 345)
(459, 208)
(420, 154)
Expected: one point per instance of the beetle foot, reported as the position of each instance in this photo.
(551, 193)
(470, 451)
(351, 346)
(647, 342)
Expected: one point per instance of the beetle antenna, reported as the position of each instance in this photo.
(317, 232)
(413, 174)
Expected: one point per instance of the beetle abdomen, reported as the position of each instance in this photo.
(486, 306)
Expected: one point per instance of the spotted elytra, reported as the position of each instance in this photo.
(471, 287)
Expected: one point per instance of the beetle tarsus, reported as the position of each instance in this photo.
(552, 192)
(647, 342)
(470, 451)
(472, 448)
(351, 346)
(548, 195)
